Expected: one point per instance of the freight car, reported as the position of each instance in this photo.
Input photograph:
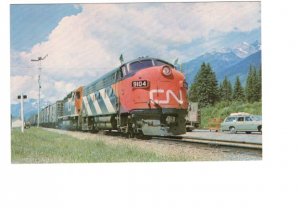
(33, 120)
(192, 118)
(146, 96)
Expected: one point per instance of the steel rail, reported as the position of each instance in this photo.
(212, 142)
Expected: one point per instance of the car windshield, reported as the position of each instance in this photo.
(257, 118)
(230, 119)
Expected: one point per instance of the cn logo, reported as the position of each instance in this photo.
(169, 93)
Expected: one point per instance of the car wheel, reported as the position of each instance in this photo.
(188, 130)
(260, 128)
(232, 130)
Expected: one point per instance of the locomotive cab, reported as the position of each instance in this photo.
(72, 106)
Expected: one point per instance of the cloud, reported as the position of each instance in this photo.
(89, 44)
(22, 84)
(51, 89)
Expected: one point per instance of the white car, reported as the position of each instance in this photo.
(242, 123)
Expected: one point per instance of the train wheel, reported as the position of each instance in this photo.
(130, 134)
(130, 130)
(94, 131)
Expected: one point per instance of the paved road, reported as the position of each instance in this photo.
(254, 138)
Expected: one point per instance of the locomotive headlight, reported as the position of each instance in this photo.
(166, 70)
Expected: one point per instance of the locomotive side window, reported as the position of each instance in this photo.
(124, 70)
(118, 75)
(69, 105)
(138, 65)
(77, 95)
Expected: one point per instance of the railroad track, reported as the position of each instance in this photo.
(214, 142)
(206, 141)
(203, 141)
(212, 145)
(214, 148)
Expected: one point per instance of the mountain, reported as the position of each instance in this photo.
(217, 60)
(226, 62)
(241, 69)
(30, 108)
(245, 49)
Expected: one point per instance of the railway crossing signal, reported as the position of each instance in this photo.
(24, 96)
(21, 98)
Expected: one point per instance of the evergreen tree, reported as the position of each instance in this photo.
(194, 90)
(220, 91)
(226, 90)
(252, 86)
(238, 91)
(259, 84)
(204, 89)
(256, 95)
(213, 86)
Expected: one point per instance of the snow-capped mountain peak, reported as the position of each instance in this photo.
(224, 60)
(245, 43)
(245, 49)
(241, 50)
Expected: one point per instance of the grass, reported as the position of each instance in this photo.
(223, 109)
(41, 146)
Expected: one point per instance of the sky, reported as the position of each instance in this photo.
(84, 41)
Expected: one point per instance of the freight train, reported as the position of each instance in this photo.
(146, 96)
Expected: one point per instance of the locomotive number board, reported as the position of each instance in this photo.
(140, 84)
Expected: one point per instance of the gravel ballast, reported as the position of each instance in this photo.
(187, 152)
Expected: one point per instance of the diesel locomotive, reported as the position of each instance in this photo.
(146, 96)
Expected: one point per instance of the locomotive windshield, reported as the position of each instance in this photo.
(135, 66)
(138, 65)
(160, 63)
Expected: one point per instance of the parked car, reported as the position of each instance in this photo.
(242, 122)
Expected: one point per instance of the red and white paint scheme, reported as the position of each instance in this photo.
(150, 88)
(153, 93)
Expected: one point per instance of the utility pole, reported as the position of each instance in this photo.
(22, 97)
(39, 59)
